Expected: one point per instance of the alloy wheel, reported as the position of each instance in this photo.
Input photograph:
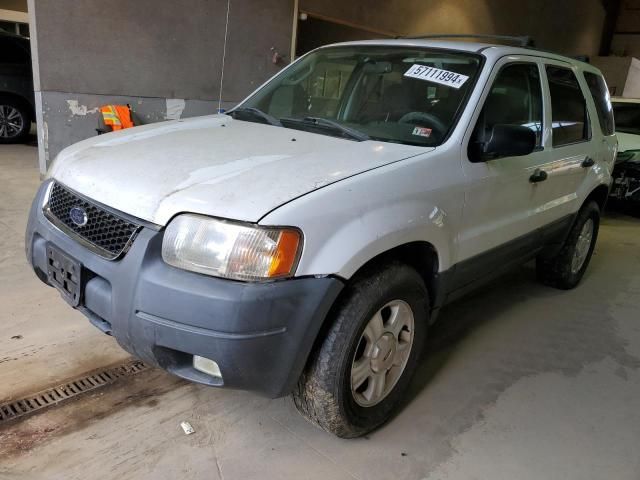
(382, 353)
(11, 121)
(583, 245)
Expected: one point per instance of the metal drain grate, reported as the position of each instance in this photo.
(66, 391)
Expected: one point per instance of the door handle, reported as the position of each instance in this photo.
(538, 176)
(588, 162)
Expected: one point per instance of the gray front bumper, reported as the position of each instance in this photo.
(260, 334)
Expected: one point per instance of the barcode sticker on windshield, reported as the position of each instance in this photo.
(436, 75)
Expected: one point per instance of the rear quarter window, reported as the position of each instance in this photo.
(600, 95)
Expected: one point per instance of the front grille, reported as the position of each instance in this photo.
(105, 233)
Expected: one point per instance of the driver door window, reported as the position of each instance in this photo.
(515, 99)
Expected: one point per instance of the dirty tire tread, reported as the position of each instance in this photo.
(556, 272)
(318, 395)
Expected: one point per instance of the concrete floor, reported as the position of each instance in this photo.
(523, 382)
(53, 341)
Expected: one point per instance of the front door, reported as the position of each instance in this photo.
(503, 197)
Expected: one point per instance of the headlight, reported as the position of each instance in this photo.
(231, 250)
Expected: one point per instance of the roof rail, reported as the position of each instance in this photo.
(522, 41)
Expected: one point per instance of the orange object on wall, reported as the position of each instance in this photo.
(118, 117)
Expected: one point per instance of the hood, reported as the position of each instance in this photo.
(628, 141)
(213, 165)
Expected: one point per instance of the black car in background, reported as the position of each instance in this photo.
(16, 88)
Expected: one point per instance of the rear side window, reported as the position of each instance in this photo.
(570, 122)
(600, 94)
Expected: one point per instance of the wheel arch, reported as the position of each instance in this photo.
(600, 194)
(422, 256)
(419, 255)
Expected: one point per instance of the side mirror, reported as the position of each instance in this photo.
(505, 141)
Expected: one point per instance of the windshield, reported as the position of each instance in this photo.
(395, 94)
(627, 117)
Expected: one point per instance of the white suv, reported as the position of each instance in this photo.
(304, 242)
(626, 174)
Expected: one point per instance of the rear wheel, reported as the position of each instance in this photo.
(566, 269)
(15, 120)
(360, 372)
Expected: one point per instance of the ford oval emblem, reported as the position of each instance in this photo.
(78, 216)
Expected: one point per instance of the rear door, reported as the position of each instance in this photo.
(571, 151)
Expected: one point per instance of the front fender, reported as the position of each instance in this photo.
(350, 222)
(355, 243)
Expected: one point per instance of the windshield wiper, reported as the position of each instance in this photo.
(256, 112)
(329, 124)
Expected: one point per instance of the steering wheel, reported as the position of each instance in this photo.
(421, 118)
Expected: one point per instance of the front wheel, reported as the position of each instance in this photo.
(566, 269)
(358, 375)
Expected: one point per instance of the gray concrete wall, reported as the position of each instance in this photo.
(143, 52)
(68, 118)
(632, 87)
(567, 26)
(622, 75)
(615, 71)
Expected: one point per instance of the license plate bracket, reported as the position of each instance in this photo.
(64, 273)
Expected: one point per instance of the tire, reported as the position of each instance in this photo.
(15, 120)
(324, 393)
(564, 271)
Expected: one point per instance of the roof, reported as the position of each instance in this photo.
(487, 49)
